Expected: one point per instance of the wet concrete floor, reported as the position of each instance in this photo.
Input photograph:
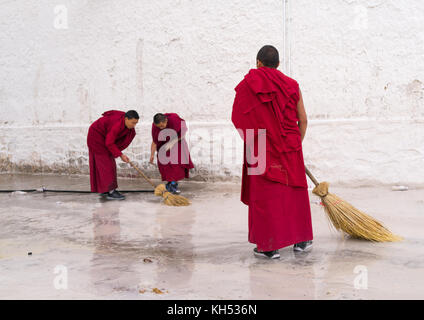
(86, 248)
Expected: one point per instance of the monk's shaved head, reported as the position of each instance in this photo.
(159, 117)
(132, 114)
(269, 57)
(131, 119)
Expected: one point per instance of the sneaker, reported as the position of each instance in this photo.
(174, 186)
(303, 246)
(168, 187)
(267, 254)
(115, 195)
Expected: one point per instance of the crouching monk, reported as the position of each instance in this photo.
(174, 161)
(269, 114)
(106, 139)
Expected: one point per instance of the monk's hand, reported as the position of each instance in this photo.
(152, 159)
(125, 158)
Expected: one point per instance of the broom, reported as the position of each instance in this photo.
(348, 219)
(160, 191)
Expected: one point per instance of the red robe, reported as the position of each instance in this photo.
(106, 138)
(178, 163)
(278, 200)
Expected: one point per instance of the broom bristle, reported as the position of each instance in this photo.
(350, 220)
(159, 190)
(169, 198)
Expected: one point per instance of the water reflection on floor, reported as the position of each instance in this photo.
(142, 249)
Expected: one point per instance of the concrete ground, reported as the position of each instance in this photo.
(83, 247)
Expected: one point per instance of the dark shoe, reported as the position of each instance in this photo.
(115, 195)
(267, 254)
(303, 246)
(173, 187)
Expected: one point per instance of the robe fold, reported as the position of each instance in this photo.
(106, 139)
(277, 196)
(177, 163)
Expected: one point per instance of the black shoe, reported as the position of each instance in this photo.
(303, 246)
(267, 254)
(173, 187)
(115, 195)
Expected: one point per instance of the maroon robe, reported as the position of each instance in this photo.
(178, 164)
(106, 138)
(278, 200)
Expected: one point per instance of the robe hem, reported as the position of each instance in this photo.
(282, 245)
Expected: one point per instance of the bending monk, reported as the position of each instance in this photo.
(106, 139)
(174, 162)
(269, 114)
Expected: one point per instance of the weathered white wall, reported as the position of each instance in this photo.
(358, 63)
(361, 68)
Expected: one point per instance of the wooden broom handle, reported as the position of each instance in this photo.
(311, 176)
(142, 174)
(153, 185)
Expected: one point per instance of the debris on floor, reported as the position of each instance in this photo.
(157, 291)
(400, 188)
(154, 290)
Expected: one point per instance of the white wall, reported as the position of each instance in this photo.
(361, 69)
(358, 64)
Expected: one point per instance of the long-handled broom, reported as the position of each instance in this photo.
(348, 219)
(160, 191)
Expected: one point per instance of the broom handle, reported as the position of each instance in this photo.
(142, 174)
(153, 185)
(311, 176)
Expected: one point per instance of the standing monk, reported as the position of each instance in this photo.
(106, 139)
(274, 183)
(174, 162)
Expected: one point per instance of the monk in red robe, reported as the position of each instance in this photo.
(269, 114)
(174, 161)
(106, 139)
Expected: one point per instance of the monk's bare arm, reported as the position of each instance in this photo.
(152, 152)
(301, 113)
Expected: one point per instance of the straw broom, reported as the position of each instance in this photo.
(160, 191)
(348, 219)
